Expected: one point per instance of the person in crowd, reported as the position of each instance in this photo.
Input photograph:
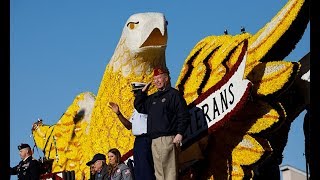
(142, 155)
(92, 171)
(168, 118)
(99, 167)
(28, 168)
(118, 170)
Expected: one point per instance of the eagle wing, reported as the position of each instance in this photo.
(259, 130)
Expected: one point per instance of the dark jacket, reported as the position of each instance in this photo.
(103, 174)
(28, 169)
(167, 111)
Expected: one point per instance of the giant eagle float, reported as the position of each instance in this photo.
(242, 94)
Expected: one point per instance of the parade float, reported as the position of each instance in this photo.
(242, 95)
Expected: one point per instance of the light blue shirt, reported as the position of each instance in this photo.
(139, 123)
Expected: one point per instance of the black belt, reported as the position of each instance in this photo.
(142, 135)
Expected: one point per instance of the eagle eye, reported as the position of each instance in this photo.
(132, 25)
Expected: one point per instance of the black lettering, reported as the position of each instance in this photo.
(215, 108)
(231, 102)
(205, 109)
(224, 102)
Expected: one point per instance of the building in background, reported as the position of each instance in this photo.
(291, 173)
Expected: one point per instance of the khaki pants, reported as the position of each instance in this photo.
(165, 157)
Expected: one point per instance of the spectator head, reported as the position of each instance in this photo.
(114, 157)
(24, 150)
(97, 162)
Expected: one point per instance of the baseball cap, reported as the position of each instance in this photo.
(22, 146)
(159, 70)
(96, 157)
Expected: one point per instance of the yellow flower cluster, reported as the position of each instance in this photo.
(63, 141)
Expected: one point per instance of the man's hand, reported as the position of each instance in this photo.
(114, 107)
(146, 87)
(178, 140)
